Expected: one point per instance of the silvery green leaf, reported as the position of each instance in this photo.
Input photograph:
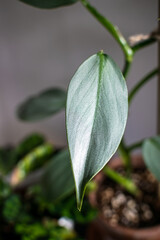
(151, 155)
(96, 115)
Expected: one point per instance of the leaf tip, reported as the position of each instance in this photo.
(80, 196)
(79, 207)
(79, 202)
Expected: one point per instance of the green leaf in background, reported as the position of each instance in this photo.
(42, 105)
(96, 115)
(48, 3)
(151, 155)
(57, 181)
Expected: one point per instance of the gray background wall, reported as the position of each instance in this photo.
(40, 48)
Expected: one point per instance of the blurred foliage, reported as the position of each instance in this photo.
(7, 159)
(65, 207)
(57, 180)
(46, 230)
(10, 155)
(26, 214)
(31, 217)
(5, 189)
(12, 208)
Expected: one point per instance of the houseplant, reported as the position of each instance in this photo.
(97, 107)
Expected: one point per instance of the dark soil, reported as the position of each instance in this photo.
(120, 207)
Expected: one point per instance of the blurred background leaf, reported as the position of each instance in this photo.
(57, 181)
(42, 105)
(48, 3)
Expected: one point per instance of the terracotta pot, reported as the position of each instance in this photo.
(100, 229)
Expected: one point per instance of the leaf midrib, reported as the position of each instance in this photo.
(101, 65)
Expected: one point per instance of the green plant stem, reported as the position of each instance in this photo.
(127, 50)
(123, 151)
(135, 146)
(31, 161)
(143, 44)
(123, 181)
(125, 156)
(126, 68)
(141, 83)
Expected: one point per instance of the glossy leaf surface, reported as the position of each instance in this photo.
(42, 105)
(58, 179)
(96, 115)
(48, 3)
(151, 155)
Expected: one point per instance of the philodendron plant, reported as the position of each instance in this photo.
(96, 111)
